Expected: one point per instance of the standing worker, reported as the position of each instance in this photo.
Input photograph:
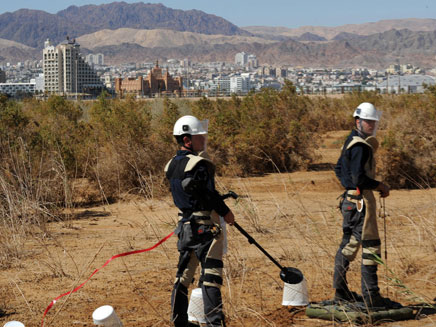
(191, 178)
(356, 171)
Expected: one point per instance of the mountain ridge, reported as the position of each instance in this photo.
(33, 27)
(139, 31)
(328, 32)
(376, 51)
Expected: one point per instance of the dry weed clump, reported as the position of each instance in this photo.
(129, 153)
(408, 147)
(31, 181)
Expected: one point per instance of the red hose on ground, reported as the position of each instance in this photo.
(95, 271)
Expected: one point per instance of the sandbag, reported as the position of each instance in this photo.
(329, 310)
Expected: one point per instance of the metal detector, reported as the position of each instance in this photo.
(289, 275)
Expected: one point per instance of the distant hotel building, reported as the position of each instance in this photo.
(66, 72)
(156, 82)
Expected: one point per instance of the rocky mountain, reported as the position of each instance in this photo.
(146, 32)
(347, 36)
(159, 38)
(376, 51)
(33, 27)
(413, 24)
(128, 45)
(310, 37)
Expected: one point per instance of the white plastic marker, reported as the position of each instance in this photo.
(14, 324)
(106, 316)
(296, 294)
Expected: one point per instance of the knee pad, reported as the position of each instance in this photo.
(351, 248)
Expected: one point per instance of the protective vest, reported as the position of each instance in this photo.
(370, 237)
(372, 142)
(177, 169)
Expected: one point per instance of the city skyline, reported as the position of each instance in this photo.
(271, 13)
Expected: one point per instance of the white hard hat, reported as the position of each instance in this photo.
(190, 125)
(367, 111)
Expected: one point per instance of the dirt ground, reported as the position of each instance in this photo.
(294, 216)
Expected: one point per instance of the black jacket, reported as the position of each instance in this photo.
(200, 193)
(350, 168)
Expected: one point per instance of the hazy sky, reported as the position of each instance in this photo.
(289, 13)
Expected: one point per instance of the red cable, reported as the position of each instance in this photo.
(95, 271)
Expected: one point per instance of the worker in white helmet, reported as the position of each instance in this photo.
(356, 171)
(191, 178)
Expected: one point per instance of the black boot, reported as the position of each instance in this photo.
(376, 301)
(342, 295)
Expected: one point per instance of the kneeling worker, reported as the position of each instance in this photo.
(356, 171)
(191, 178)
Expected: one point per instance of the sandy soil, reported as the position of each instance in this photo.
(294, 216)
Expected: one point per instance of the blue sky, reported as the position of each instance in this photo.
(288, 13)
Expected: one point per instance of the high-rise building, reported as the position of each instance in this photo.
(252, 61)
(66, 72)
(241, 58)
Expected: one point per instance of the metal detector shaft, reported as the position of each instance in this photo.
(289, 275)
(251, 240)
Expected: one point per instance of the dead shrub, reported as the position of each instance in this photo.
(128, 156)
(263, 132)
(408, 148)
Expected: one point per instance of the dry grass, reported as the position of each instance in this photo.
(46, 244)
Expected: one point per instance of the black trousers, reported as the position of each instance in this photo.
(194, 251)
(351, 240)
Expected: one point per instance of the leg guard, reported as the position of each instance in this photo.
(213, 306)
(179, 305)
(210, 256)
(369, 280)
(188, 263)
(371, 246)
(370, 239)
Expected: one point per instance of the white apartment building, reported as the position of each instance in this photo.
(66, 72)
(220, 85)
(239, 84)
